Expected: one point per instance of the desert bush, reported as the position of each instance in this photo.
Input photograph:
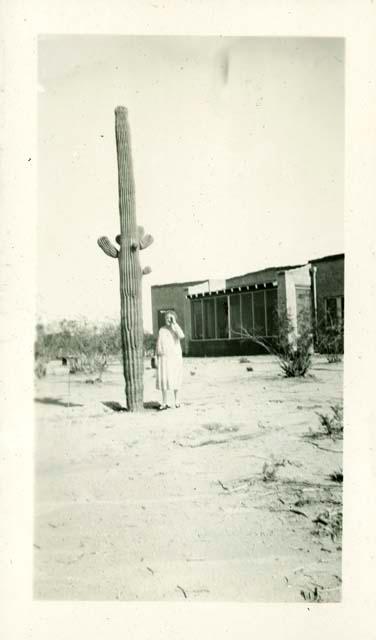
(94, 365)
(76, 337)
(336, 476)
(40, 368)
(293, 349)
(332, 425)
(89, 345)
(330, 338)
(329, 523)
(269, 469)
(149, 344)
(312, 595)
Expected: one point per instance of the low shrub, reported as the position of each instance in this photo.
(293, 349)
(40, 368)
(269, 469)
(330, 340)
(329, 523)
(332, 425)
(336, 476)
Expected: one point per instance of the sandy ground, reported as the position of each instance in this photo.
(173, 505)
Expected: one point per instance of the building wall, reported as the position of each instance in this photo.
(216, 348)
(294, 286)
(289, 284)
(173, 296)
(330, 281)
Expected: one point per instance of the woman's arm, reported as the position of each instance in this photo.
(177, 330)
(158, 348)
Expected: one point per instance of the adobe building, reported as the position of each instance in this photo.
(219, 317)
(224, 321)
(328, 286)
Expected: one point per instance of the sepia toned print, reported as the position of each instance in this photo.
(230, 152)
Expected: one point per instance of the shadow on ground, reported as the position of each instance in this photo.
(116, 406)
(57, 403)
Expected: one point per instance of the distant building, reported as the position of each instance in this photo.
(219, 317)
(328, 288)
(223, 321)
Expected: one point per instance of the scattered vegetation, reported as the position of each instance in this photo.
(336, 476)
(150, 343)
(311, 595)
(332, 425)
(269, 469)
(86, 347)
(330, 340)
(329, 523)
(40, 368)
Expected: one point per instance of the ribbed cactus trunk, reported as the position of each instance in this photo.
(131, 239)
(130, 270)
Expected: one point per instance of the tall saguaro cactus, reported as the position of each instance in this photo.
(131, 239)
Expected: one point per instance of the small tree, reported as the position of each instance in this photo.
(90, 345)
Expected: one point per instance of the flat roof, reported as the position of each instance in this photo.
(276, 269)
(235, 289)
(334, 256)
(179, 284)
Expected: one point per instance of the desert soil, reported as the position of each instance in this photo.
(178, 505)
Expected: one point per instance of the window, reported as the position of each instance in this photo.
(197, 328)
(334, 310)
(209, 318)
(235, 319)
(222, 317)
(235, 316)
(247, 313)
(259, 311)
(271, 311)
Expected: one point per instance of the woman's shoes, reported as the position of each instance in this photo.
(177, 405)
(162, 407)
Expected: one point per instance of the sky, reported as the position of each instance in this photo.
(238, 154)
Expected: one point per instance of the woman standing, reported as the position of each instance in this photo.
(169, 359)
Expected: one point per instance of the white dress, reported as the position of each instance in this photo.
(169, 358)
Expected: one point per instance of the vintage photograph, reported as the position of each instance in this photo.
(189, 336)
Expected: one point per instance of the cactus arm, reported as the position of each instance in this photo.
(108, 248)
(145, 241)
